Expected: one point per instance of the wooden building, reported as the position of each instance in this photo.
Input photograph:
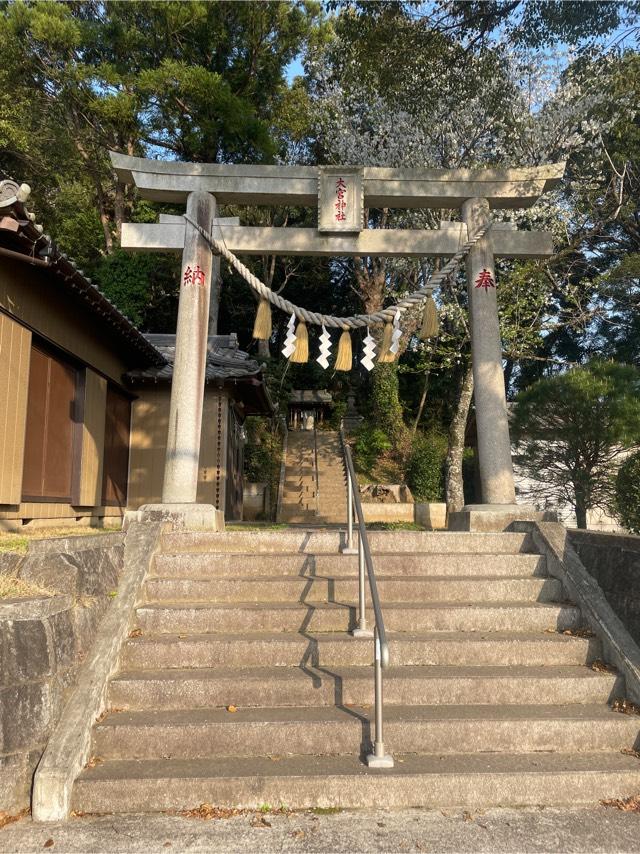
(84, 395)
(308, 408)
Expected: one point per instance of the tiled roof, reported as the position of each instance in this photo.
(22, 236)
(224, 360)
(309, 395)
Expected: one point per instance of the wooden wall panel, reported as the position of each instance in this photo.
(15, 349)
(149, 426)
(31, 295)
(117, 441)
(95, 398)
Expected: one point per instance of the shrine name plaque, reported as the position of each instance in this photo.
(340, 198)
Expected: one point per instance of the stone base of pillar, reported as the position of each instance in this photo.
(186, 517)
(496, 517)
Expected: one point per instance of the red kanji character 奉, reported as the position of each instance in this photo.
(485, 280)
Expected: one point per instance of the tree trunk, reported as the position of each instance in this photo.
(118, 212)
(454, 485)
(423, 400)
(581, 510)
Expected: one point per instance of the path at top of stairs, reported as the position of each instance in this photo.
(304, 500)
(490, 698)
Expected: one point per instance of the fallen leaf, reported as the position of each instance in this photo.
(93, 761)
(167, 844)
(620, 704)
(48, 843)
(601, 667)
(260, 821)
(135, 633)
(206, 812)
(580, 632)
(232, 708)
(629, 751)
(298, 834)
(7, 818)
(625, 804)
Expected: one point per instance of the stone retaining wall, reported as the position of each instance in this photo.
(43, 640)
(614, 561)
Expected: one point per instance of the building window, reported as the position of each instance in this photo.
(116, 449)
(50, 435)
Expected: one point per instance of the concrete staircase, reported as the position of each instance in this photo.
(299, 503)
(240, 686)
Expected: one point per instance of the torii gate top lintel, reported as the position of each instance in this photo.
(172, 181)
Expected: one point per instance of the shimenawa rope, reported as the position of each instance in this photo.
(386, 315)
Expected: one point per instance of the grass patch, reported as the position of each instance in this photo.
(15, 588)
(256, 526)
(325, 810)
(12, 542)
(394, 526)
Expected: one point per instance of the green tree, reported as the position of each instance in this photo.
(197, 80)
(628, 493)
(571, 429)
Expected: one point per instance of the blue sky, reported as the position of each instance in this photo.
(294, 69)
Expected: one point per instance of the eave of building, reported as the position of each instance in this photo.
(172, 181)
(227, 367)
(20, 234)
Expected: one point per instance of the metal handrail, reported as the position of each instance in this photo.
(317, 470)
(377, 759)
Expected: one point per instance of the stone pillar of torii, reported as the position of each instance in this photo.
(341, 194)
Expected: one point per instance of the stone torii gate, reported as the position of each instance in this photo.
(341, 232)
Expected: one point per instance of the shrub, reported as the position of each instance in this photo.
(337, 414)
(425, 469)
(628, 493)
(371, 442)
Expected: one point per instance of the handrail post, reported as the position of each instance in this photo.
(361, 630)
(378, 759)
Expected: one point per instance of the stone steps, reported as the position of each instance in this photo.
(468, 565)
(329, 542)
(466, 780)
(300, 479)
(208, 733)
(281, 649)
(176, 688)
(184, 617)
(287, 588)
(487, 702)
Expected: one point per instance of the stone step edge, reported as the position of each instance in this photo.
(425, 672)
(601, 713)
(472, 637)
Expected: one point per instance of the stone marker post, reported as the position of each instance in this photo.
(494, 444)
(187, 387)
